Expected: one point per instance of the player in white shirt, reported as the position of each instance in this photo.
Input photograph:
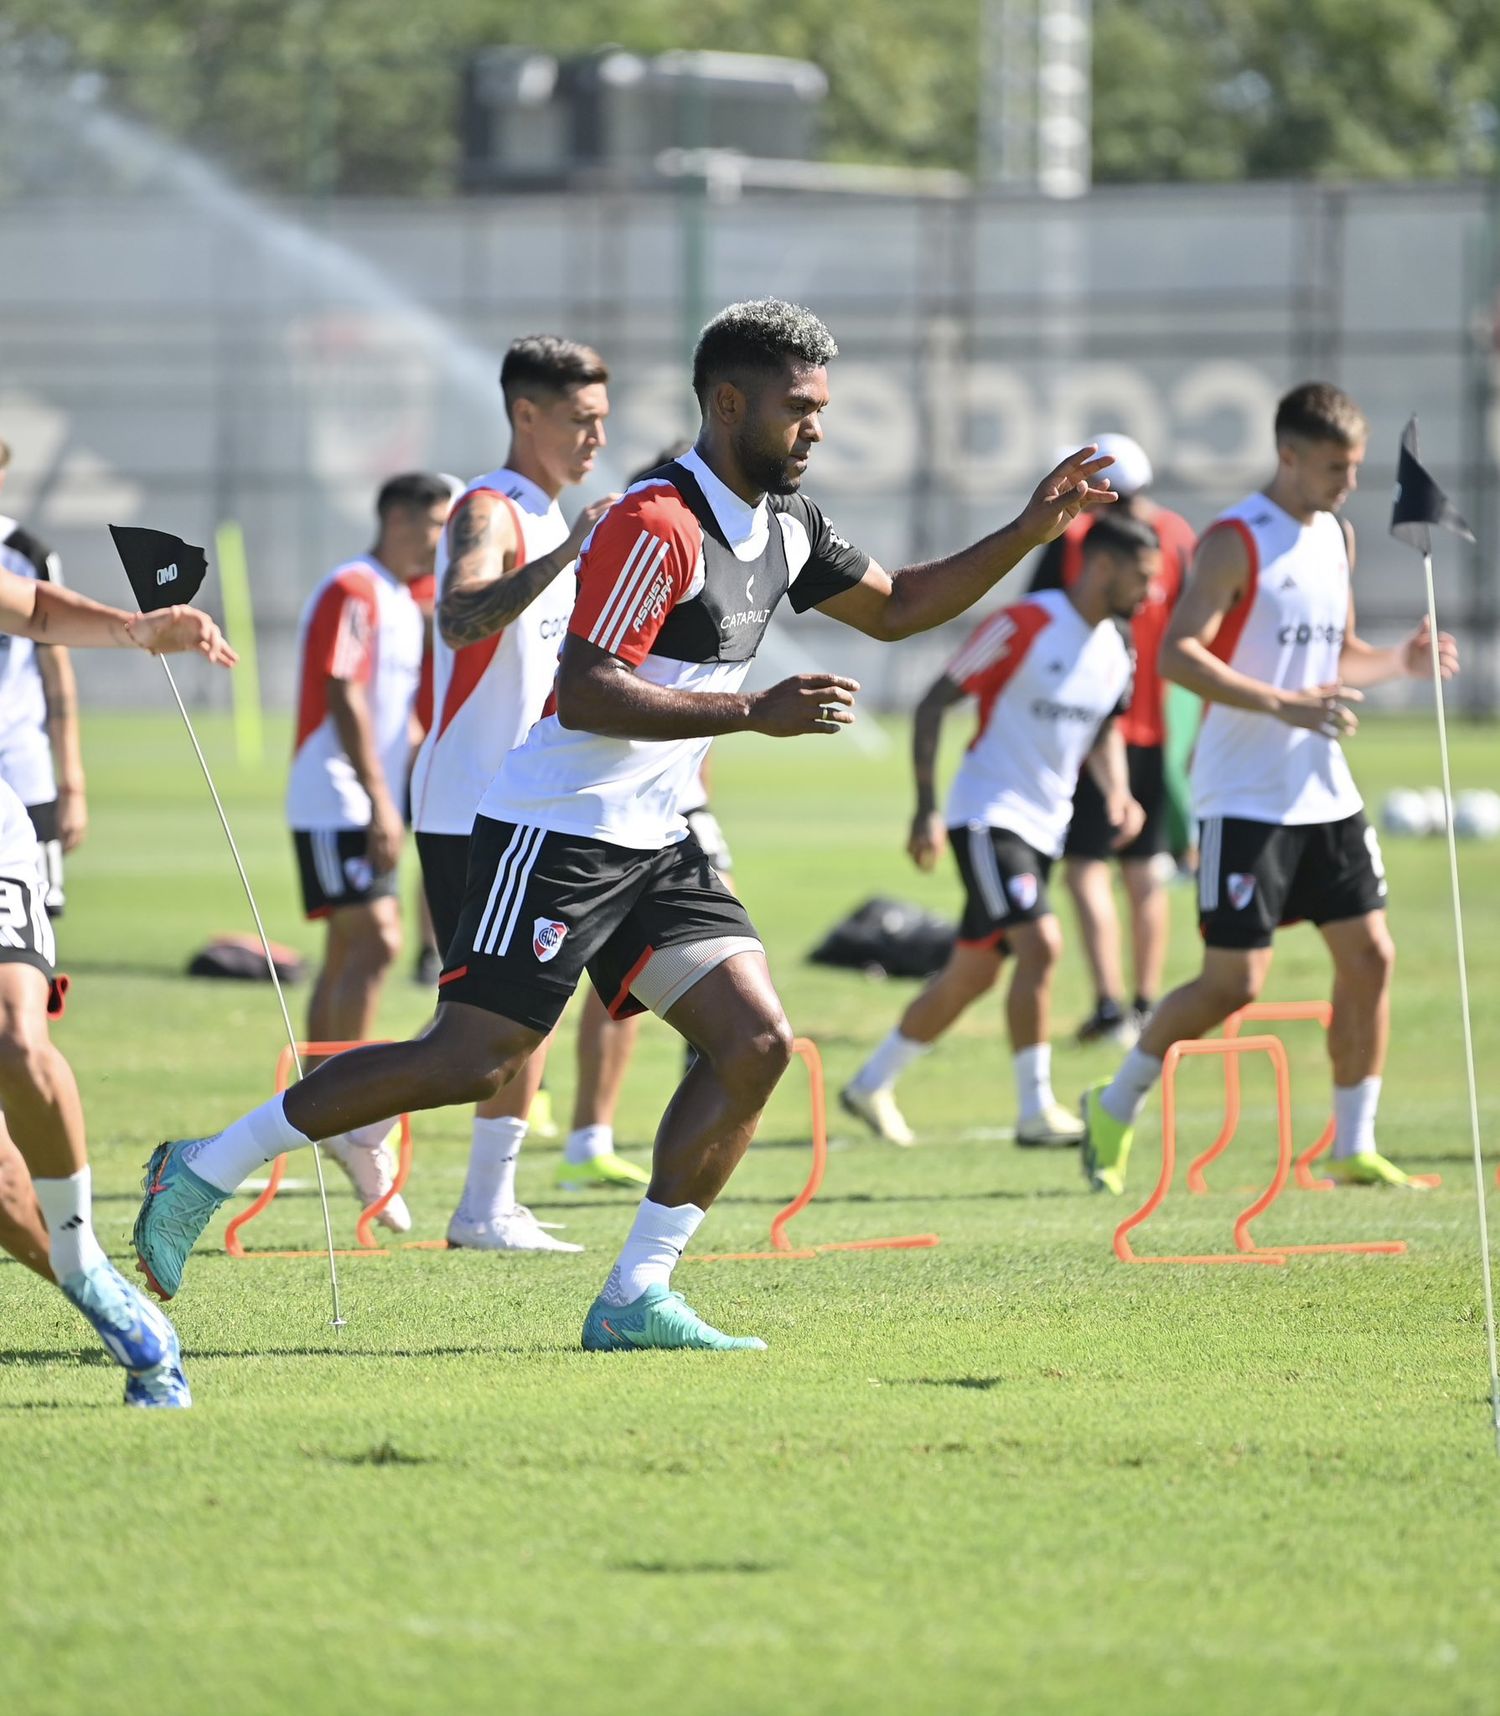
(359, 662)
(1050, 675)
(580, 860)
(40, 754)
(1264, 633)
(505, 591)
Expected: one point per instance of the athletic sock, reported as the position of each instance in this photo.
(66, 1207)
(888, 1063)
(588, 1144)
(1126, 1094)
(245, 1145)
(490, 1188)
(658, 1238)
(1034, 1080)
(1354, 1108)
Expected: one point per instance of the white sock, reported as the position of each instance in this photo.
(373, 1136)
(888, 1063)
(658, 1238)
(1125, 1096)
(245, 1145)
(1034, 1080)
(71, 1245)
(1354, 1108)
(490, 1189)
(589, 1143)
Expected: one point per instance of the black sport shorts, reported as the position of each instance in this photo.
(541, 908)
(334, 868)
(1005, 883)
(445, 876)
(25, 932)
(1255, 876)
(1090, 831)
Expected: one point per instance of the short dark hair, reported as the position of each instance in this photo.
(758, 336)
(1114, 532)
(1318, 411)
(548, 365)
(412, 491)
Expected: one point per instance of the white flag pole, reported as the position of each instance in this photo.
(1463, 995)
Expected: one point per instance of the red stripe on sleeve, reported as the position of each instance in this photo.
(1227, 638)
(639, 562)
(338, 643)
(1028, 621)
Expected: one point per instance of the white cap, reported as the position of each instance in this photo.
(1131, 471)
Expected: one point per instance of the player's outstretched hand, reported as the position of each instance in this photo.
(171, 631)
(1322, 709)
(1416, 653)
(805, 703)
(585, 522)
(928, 839)
(1075, 486)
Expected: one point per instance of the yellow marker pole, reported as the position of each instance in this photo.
(239, 624)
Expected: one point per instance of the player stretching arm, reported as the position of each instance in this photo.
(1264, 633)
(42, 1110)
(580, 860)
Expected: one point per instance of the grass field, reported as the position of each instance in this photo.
(1008, 1474)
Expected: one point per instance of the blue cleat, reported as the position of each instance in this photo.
(135, 1334)
(659, 1318)
(176, 1209)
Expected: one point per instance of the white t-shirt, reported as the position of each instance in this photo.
(362, 625)
(1046, 682)
(25, 746)
(1286, 630)
(487, 694)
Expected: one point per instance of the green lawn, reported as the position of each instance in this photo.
(1008, 1474)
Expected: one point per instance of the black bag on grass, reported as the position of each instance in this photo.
(890, 938)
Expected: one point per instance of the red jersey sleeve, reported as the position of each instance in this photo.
(341, 632)
(640, 561)
(996, 648)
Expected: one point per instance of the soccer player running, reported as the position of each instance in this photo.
(1050, 676)
(505, 590)
(48, 1173)
(1091, 840)
(40, 753)
(579, 859)
(360, 660)
(1264, 633)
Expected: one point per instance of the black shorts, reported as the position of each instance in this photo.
(445, 874)
(1090, 832)
(704, 827)
(1005, 883)
(25, 932)
(1255, 876)
(334, 868)
(542, 908)
(44, 821)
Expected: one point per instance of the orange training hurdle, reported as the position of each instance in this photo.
(1247, 1249)
(366, 1245)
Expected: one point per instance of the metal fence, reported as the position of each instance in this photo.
(173, 352)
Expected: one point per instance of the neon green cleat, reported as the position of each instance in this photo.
(608, 1170)
(1106, 1143)
(541, 1118)
(1369, 1168)
(659, 1318)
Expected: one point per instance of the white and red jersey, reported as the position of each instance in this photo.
(1046, 681)
(679, 579)
(487, 694)
(361, 625)
(1287, 630)
(25, 743)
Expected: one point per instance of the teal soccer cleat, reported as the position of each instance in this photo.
(174, 1212)
(659, 1318)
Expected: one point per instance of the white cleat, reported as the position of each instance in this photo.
(372, 1173)
(1053, 1129)
(513, 1230)
(877, 1108)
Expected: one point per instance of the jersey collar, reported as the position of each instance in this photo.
(745, 527)
(526, 493)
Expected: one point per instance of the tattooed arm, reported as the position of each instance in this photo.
(483, 588)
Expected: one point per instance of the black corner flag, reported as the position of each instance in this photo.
(162, 568)
(1418, 502)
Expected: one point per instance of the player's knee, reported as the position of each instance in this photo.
(1039, 948)
(1371, 965)
(752, 1066)
(1234, 986)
